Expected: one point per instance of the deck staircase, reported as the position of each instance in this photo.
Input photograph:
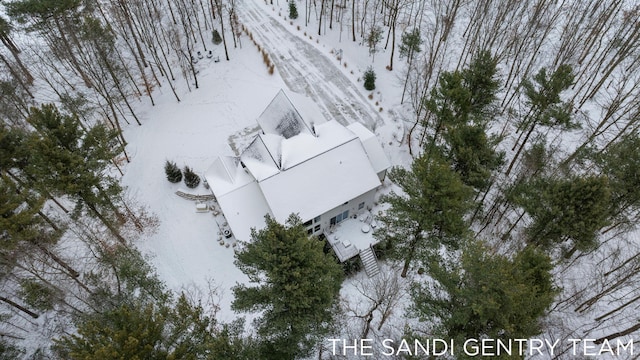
(369, 261)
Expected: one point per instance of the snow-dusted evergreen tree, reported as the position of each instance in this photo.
(546, 107)
(462, 107)
(481, 293)
(293, 10)
(215, 37)
(428, 213)
(296, 287)
(172, 330)
(135, 316)
(565, 211)
(370, 79)
(173, 172)
(191, 179)
(68, 159)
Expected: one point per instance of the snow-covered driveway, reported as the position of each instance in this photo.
(307, 70)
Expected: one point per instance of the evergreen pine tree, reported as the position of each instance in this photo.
(621, 163)
(410, 43)
(297, 288)
(370, 79)
(9, 351)
(572, 209)
(373, 38)
(463, 106)
(191, 179)
(135, 317)
(37, 294)
(482, 294)
(428, 213)
(70, 159)
(293, 10)
(172, 171)
(546, 107)
(216, 39)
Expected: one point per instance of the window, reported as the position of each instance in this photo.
(361, 206)
(317, 219)
(340, 217)
(309, 231)
(308, 223)
(317, 228)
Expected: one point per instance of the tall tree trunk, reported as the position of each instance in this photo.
(331, 16)
(320, 17)
(618, 334)
(417, 237)
(353, 19)
(224, 41)
(72, 272)
(393, 40)
(16, 55)
(71, 54)
(17, 76)
(19, 307)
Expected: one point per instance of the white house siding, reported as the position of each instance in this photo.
(352, 205)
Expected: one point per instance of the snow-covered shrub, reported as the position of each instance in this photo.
(369, 79)
(293, 10)
(172, 171)
(216, 38)
(191, 179)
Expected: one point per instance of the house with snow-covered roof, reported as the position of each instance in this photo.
(322, 170)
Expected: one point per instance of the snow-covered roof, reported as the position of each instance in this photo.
(295, 167)
(282, 118)
(244, 208)
(238, 195)
(305, 146)
(259, 160)
(321, 183)
(372, 146)
(226, 174)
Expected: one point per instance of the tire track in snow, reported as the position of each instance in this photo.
(308, 71)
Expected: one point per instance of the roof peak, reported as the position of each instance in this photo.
(282, 118)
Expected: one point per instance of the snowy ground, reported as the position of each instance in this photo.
(196, 130)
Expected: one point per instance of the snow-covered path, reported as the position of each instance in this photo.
(307, 70)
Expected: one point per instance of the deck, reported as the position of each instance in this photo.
(351, 236)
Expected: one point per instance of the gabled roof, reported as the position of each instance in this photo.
(295, 167)
(238, 194)
(226, 174)
(321, 183)
(372, 146)
(303, 147)
(282, 118)
(244, 208)
(259, 160)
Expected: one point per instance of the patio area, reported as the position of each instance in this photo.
(351, 236)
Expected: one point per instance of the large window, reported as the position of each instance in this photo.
(338, 218)
(343, 216)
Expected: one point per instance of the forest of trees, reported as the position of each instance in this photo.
(521, 117)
